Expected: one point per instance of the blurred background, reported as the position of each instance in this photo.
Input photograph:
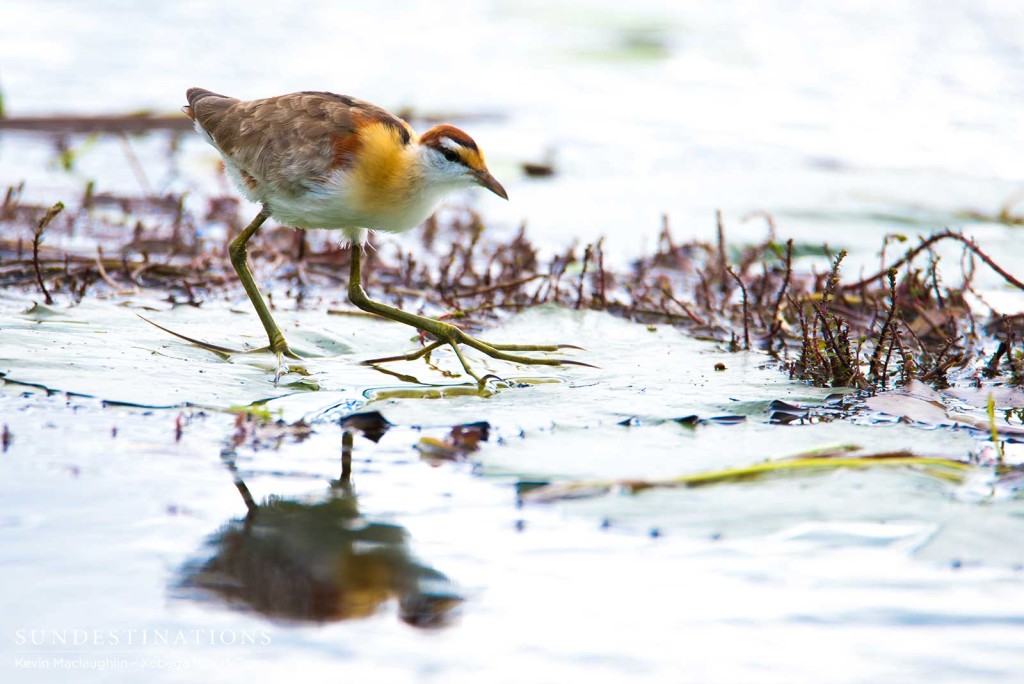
(844, 120)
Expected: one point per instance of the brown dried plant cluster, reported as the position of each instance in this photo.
(899, 324)
(902, 323)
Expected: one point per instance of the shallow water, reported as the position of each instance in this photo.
(123, 516)
(112, 530)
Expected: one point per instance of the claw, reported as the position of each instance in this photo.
(281, 350)
(455, 337)
(536, 347)
(526, 347)
(199, 343)
(497, 351)
(569, 362)
(444, 333)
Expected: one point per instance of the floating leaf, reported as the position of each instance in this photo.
(832, 459)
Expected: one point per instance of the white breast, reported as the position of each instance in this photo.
(330, 206)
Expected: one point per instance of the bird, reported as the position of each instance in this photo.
(320, 160)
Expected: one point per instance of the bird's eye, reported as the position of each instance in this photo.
(450, 155)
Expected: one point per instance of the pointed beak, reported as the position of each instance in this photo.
(485, 179)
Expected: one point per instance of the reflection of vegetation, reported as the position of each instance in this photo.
(320, 561)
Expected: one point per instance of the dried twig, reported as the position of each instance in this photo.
(37, 238)
(925, 243)
(746, 319)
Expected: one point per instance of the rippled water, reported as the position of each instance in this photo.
(125, 520)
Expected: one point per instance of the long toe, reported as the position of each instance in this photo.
(533, 347)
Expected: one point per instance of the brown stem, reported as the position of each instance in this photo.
(776, 324)
(946, 234)
(722, 261)
(876, 356)
(743, 291)
(583, 275)
(50, 214)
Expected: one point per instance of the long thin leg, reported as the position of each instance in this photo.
(444, 332)
(238, 253)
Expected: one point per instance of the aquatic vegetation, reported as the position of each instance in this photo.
(907, 321)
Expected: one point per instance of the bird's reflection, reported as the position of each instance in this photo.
(294, 560)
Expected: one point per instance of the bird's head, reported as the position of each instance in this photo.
(451, 157)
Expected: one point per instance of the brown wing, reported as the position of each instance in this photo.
(290, 141)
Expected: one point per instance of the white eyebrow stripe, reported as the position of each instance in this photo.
(450, 144)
